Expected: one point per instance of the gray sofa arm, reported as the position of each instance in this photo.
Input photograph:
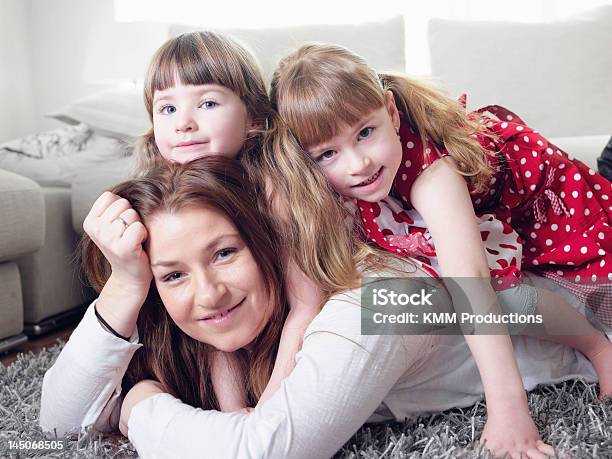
(22, 216)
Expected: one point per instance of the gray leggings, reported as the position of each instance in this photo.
(521, 300)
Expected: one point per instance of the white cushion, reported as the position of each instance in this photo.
(557, 76)
(63, 170)
(584, 148)
(118, 113)
(65, 141)
(380, 43)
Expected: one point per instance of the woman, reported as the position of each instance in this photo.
(227, 275)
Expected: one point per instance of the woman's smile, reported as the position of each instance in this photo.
(224, 317)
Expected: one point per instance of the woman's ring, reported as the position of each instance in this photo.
(125, 224)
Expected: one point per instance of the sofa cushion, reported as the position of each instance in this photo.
(22, 211)
(89, 185)
(62, 170)
(555, 75)
(119, 113)
(380, 43)
(584, 148)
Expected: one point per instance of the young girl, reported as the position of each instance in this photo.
(205, 97)
(394, 139)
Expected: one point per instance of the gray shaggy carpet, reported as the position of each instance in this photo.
(569, 416)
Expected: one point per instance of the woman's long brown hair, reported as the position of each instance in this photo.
(179, 362)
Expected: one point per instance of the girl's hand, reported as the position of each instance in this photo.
(227, 381)
(305, 300)
(116, 229)
(514, 433)
(305, 296)
(141, 391)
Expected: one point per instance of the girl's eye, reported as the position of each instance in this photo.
(224, 254)
(365, 132)
(208, 104)
(172, 277)
(167, 110)
(326, 155)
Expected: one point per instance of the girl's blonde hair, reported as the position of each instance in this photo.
(204, 58)
(320, 88)
(316, 229)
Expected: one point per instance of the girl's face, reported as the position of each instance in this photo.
(208, 280)
(361, 161)
(191, 121)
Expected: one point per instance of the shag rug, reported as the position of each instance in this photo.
(569, 416)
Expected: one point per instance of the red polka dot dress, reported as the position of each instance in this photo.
(397, 229)
(561, 209)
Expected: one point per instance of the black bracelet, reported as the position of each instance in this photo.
(108, 327)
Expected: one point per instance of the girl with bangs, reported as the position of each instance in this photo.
(420, 171)
(205, 96)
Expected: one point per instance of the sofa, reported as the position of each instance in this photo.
(538, 70)
(555, 75)
(22, 231)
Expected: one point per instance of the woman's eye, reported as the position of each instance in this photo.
(326, 155)
(167, 110)
(172, 277)
(365, 132)
(208, 104)
(223, 254)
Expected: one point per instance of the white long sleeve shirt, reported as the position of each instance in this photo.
(341, 380)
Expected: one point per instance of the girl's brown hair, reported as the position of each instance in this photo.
(319, 88)
(204, 58)
(181, 363)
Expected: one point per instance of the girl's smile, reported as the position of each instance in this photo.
(372, 183)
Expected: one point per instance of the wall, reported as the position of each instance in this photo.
(16, 116)
(58, 33)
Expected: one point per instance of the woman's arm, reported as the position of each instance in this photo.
(340, 378)
(87, 375)
(83, 387)
(441, 196)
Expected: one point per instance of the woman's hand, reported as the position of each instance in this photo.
(514, 433)
(141, 391)
(116, 229)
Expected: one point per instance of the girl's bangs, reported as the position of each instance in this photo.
(182, 62)
(318, 114)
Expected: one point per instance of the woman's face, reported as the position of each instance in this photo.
(207, 278)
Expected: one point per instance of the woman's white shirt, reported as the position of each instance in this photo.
(340, 380)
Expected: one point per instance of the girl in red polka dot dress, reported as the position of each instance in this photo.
(434, 183)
